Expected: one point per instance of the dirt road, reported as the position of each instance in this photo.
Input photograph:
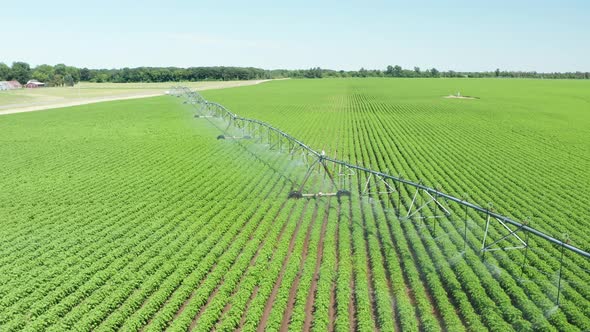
(31, 107)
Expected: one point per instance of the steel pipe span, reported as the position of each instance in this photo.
(430, 190)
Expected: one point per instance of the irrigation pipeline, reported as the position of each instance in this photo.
(195, 97)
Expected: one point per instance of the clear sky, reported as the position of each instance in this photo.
(459, 35)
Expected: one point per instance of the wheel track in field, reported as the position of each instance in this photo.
(332, 307)
(414, 259)
(187, 301)
(294, 286)
(253, 262)
(387, 270)
(211, 296)
(281, 232)
(180, 283)
(309, 304)
(370, 278)
(352, 304)
(269, 303)
(250, 264)
(255, 291)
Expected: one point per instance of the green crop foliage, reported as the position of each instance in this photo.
(131, 215)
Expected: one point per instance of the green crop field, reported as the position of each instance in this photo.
(131, 215)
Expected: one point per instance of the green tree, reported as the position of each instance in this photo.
(4, 72)
(389, 70)
(101, 78)
(434, 72)
(60, 69)
(74, 73)
(69, 80)
(417, 71)
(43, 73)
(57, 80)
(397, 71)
(21, 71)
(497, 72)
(318, 72)
(85, 75)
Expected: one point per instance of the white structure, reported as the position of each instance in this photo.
(34, 84)
(10, 85)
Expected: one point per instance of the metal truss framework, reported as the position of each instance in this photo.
(386, 187)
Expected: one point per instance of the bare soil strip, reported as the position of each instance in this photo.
(352, 301)
(275, 290)
(243, 318)
(451, 298)
(221, 283)
(333, 304)
(209, 299)
(78, 102)
(293, 292)
(58, 103)
(294, 287)
(187, 300)
(388, 274)
(252, 262)
(314, 283)
(370, 279)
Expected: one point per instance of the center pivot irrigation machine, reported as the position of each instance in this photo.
(426, 203)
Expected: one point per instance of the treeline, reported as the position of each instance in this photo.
(62, 75)
(58, 75)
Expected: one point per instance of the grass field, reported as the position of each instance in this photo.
(131, 215)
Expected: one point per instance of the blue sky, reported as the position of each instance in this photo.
(458, 35)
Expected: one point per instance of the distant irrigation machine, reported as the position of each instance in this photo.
(343, 179)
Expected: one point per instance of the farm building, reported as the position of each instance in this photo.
(34, 84)
(10, 85)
